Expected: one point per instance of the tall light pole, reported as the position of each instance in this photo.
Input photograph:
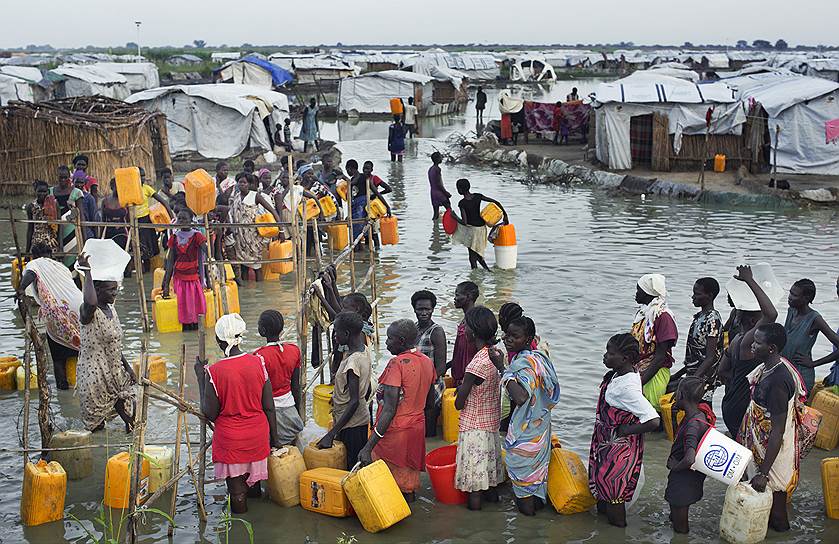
(138, 23)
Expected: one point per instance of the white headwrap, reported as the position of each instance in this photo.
(653, 285)
(229, 329)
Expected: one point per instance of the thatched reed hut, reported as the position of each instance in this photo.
(36, 138)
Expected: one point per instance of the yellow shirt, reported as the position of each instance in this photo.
(143, 209)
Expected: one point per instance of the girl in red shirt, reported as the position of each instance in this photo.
(185, 262)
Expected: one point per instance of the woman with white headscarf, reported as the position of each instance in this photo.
(655, 330)
(241, 404)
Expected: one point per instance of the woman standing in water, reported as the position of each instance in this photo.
(439, 195)
(309, 132)
(479, 465)
(432, 344)
(531, 382)
(803, 326)
(185, 262)
(655, 330)
(41, 209)
(769, 428)
(472, 229)
(236, 397)
(105, 381)
(617, 443)
(244, 207)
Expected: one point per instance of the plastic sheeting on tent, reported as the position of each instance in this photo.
(651, 86)
(13, 88)
(139, 76)
(255, 71)
(217, 121)
(91, 80)
(371, 93)
(800, 106)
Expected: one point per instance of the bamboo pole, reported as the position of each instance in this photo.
(139, 442)
(351, 237)
(202, 454)
(299, 264)
(176, 461)
(219, 293)
(172, 483)
(372, 264)
(138, 268)
(27, 356)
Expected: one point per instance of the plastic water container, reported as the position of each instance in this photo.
(266, 232)
(156, 261)
(376, 209)
(200, 191)
(166, 314)
(210, 303)
(719, 162)
(451, 416)
(830, 486)
(157, 369)
(506, 250)
(441, 465)
(160, 471)
(17, 272)
(396, 106)
(71, 370)
(44, 488)
(159, 215)
(376, 497)
(389, 232)
(670, 418)
(721, 458)
(312, 209)
(118, 480)
(334, 457)
(568, 487)
(745, 514)
(281, 250)
(328, 205)
(77, 464)
(129, 186)
(827, 403)
(743, 297)
(339, 236)
(232, 292)
(8, 375)
(285, 465)
(20, 378)
(321, 491)
(322, 405)
(159, 273)
(341, 189)
(449, 222)
(492, 214)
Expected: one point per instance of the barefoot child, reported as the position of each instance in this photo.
(684, 486)
(186, 264)
(617, 444)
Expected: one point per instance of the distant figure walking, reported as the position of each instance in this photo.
(410, 116)
(480, 104)
(396, 139)
(309, 133)
(472, 229)
(439, 195)
(572, 96)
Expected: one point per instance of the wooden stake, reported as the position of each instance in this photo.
(27, 356)
(138, 268)
(176, 462)
(139, 441)
(202, 463)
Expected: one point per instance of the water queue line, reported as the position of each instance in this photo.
(152, 390)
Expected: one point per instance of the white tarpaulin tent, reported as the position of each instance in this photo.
(90, 80)
(475, 66)
(800, 106)
(13, 88)
(139, 75)
(647, 92)
(217, 121)
(371, 93)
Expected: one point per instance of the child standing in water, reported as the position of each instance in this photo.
(617, 444)
(684, 486)
(186, 264)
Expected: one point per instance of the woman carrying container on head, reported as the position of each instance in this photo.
(770, 426)
(245, 206)
(185, 262)
(803, 325)
(282, 362)
(655, 330)
(350, 414)
(472, 229)
(684, 486)
(479, 465)
(51, 285)
(236, 396)
(398, 436)
(617, 443)
(531, 382)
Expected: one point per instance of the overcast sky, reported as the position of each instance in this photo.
(177, 22)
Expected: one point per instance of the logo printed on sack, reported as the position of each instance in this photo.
(717, 458)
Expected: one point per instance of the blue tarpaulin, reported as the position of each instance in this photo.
(279, 76)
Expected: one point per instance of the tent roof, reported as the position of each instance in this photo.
(241, 98)
(28, 73)
(89, 73)
(399, 75)
(648, 86)
(779, 90)
(128, 67)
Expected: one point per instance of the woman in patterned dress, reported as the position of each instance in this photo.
(245, 205)
(617, 443)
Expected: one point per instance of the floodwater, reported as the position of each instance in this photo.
(581, 251)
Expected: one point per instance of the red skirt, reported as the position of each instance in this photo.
(506, 126)
(191, 301)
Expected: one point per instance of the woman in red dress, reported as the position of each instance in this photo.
(185, 263)
(241, 405)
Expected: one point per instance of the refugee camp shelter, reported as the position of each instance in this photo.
(531, 68)
(88, 80)
(474, 66)
(36, 138)
(253, 71)
(327, 70)
(14, 88)
(25, 83)
(217, 121)
(184, 60)
(370, 94)
(374, 61)
(796, 114)
(138, 75)
(657, 121)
